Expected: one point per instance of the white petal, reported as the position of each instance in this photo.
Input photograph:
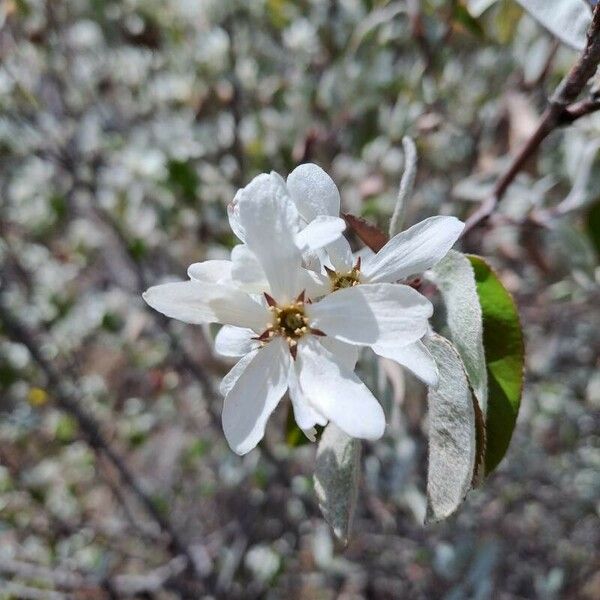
(213, 271)
(337, 392)
(235, 372)
(305, 415)
(246, 271)
(345, 354)
(314, 284)
(340, 255)
(319, 232)
(197, 302)
(233, 213)
(314, 259)
(270, 223)
(235, 341)
(414, 250)
(313, 191)
(364, 254)
(415, 357)
(255, 395)
(367, 314)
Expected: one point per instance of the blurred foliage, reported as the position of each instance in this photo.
(125, 129)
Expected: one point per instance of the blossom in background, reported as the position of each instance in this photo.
(285, 338)
(413, 251)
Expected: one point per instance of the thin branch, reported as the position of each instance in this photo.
(68, 401)
(562, 110)
(579, 109)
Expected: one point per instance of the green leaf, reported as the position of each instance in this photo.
(337, 473)
(452, 433)
(23, 8)
(137, 248)
(112, 322)
(592, 225)
(58, 204)
(505, 357)
(182, 178)
(466, 20)
(277, 12)
(507, 18)
(455, 279)
(65, 429)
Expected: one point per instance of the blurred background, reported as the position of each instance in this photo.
(125, 129)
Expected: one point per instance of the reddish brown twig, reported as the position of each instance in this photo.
(563, 109)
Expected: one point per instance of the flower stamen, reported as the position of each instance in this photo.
(289, 321)
(344, 280)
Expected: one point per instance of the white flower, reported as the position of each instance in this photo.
(285, 341)
(244, 269)
(408, 253)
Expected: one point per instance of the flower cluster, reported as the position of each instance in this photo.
(297, 306)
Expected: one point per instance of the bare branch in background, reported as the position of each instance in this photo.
(562, 110)
(67, 400)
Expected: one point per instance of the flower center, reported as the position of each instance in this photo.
(289, 321)
(344, 280)
(340, 281)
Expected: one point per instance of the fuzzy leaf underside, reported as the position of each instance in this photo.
(567, 20)
(455, 279)
(452, 433)
(337, 472)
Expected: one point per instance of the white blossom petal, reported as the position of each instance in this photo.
(340, 255)
(254, 396)
(212, 271)
(235, 372)
(345, 354)
(414, 250)
(368, 314)
(270, 223)
(415, 357)
(314, 259)
(235, 341)
(365, 253)
(305, 415)
(198, 302)
(315, 284)
(338, 393)
(313, 191)
(233, 213)
(246, 271)
(320, 232)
